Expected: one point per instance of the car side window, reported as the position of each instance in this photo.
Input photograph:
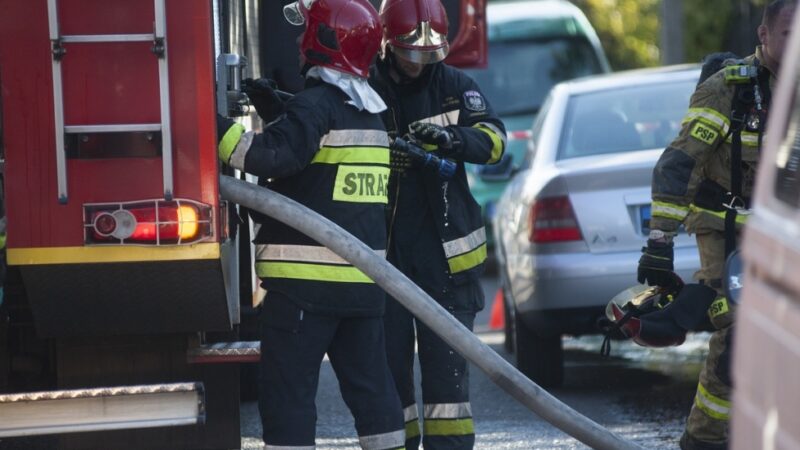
(787, 179)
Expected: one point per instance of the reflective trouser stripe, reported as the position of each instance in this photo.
(669, 211)
(467, 260)
(448, 427)
(498, 140)
(289, 447)
(411, 418)
(384, 441)
(712, 405)
(448, 419)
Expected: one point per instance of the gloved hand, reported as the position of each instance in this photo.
(434, 134)
(655, 265)
(263, 97)
(223, 125)
(399, 159)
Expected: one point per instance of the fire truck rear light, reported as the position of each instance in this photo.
(155, 222)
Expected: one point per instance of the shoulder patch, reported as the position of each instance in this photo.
(704, 133)
(473, 101)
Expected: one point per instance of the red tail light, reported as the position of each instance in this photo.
(553, 220)
(155, 222)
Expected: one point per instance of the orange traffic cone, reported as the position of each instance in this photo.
(497, 320)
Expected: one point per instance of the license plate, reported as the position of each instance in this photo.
(644, 215)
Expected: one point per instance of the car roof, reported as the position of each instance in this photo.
(629, 78)
(507, 10)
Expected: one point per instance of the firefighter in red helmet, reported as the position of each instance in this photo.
(436, 231)
(322, 139)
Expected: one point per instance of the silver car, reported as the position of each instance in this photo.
(571, 224)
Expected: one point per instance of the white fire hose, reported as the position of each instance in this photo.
(425, 309)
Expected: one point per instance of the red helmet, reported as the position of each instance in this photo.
(341, 34)
(415, 30)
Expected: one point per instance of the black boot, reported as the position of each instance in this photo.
(690, 443)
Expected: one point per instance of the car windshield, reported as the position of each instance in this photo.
(624, 119)
(520, 73)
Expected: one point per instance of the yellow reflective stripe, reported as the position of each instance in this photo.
(710, 116)
(740, 218)
(465, 244)
(749, 139)
(497, 142)
(448, 427)
(2, 241)
(361, 184)
(712, 405)
(316, 272)
(109, 253)
(412, 429)
(228, 142)
(669, 210)
(718, 308)
(352, 155)
(355, 138)
(467, 260)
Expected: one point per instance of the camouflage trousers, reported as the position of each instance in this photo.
(707, 425)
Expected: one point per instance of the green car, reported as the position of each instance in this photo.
(533, 44)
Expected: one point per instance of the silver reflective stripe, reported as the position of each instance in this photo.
(392, 439)
(289, 447)
(240, 152)
(347, 138)
(664, 210)
(443, 119)
(302, 253)
(503, 137)
(465, 244)
(447, 410)
(410, 413)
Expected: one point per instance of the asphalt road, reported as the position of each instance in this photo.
(641, 394)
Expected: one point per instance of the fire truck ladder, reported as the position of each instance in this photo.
(159, 48)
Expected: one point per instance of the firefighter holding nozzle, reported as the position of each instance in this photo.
(704, 181)
(441, 120)
(327, 149)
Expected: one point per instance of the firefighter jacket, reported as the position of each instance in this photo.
(334, 159)
(444, 96)
(693, 175)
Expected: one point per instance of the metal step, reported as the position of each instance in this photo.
(226, 352)
(107, 408)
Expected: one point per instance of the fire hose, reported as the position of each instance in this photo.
(461, 339)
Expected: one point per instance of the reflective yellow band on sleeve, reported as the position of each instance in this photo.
(314, 272)
(712, 405)
(498, 144)
(704, 133)
(669, 211)
(352, 155)
(709, 116)
(749, 139)
(228, 142)
(448, 427)
(467, 260)
(361, 184)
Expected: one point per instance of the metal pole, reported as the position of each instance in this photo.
(424, 308)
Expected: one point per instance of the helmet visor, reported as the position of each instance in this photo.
(295, 12)
(419, 56)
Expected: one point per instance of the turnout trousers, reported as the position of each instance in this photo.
(293, 344)
(707, 425)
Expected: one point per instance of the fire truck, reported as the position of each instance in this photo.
(130, 284)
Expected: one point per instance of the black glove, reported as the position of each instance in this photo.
(223, 125)
(655, 265)
(263, 97)
(399, 159)
(434, 134)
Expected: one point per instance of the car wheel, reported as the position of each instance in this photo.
(539, 358)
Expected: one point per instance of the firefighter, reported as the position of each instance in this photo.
(330, 152)
(436, 231)
(704, 180)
